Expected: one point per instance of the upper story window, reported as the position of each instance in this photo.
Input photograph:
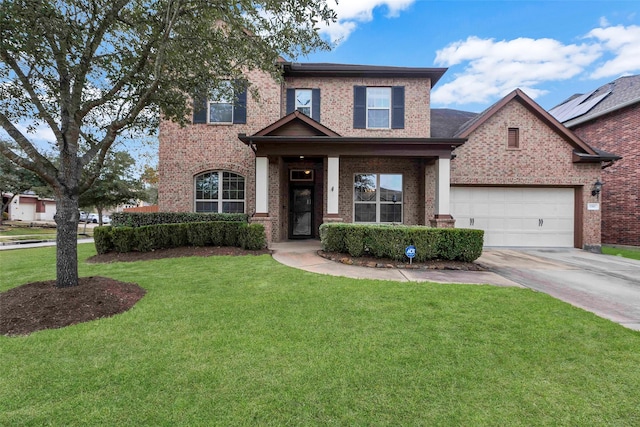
(303, 101)
(219, 192)
(307, 101)
(513, 138)
(224, 106)
(378, 107)
(221, 105)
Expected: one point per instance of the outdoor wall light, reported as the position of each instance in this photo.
(597, 188)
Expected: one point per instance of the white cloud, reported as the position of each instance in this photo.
(624, 44)
(352, 12)
(494, 68)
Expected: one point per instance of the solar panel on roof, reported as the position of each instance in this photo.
(576, 107)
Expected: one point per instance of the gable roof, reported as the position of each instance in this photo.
(519, 96)
(303, 125)
(325, 69)
(610, 97)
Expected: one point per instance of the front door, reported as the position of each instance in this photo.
(301, 213)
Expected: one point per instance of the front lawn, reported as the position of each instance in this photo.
(247, 341)
(623, 252)
(10, 233)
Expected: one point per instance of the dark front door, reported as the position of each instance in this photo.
(301, 213)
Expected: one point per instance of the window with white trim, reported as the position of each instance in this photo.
(377, 198)
(221, 105)
(378, 107)
(220, 192)
(303, 101)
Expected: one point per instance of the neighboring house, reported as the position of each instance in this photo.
(29, 207)
(355, 143)
(608, 119)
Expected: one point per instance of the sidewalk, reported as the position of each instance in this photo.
(304, 256)
(5, 246)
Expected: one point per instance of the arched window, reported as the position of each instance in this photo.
(221, 192)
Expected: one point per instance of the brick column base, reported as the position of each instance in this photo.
(267, 223)
(443, 221)
(332, 218)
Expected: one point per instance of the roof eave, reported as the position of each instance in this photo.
(594, 158)
(347, 70)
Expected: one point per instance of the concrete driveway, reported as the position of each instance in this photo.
(606, 285)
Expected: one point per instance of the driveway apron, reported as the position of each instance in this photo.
(605, 285)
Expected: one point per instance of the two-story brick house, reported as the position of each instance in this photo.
(353, 143)
(608, 118)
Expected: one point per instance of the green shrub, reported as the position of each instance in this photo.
(140, 219)
(332, 237)
(209, 233)
(123, 238)
(390, 241)
(102, 239)
(354, 240)
(252, 237)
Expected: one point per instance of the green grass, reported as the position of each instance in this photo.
(626, 253)
(12, 233)
(247, 341)
(7, 231)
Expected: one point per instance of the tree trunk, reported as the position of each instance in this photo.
(67, 240)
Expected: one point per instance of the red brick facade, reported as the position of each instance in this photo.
(617, 133)
(543, 159)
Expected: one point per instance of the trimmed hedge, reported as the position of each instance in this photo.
(140, 219)
(151, 237)
(390, 241)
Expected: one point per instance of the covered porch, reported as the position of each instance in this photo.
(305, 175)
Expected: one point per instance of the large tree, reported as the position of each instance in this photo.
(91, 70)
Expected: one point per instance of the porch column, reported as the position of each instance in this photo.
(333, 172)
(262, 186)
(443, 218)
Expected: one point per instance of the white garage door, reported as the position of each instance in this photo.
(516, 216)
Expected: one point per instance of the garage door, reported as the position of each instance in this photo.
(514, 216)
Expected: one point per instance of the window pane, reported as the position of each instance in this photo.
(207, 186)
(206, 206)
(224, 93)
(390, 212)
(365, 212)
(220, 113)
(364, 188)
(390, 186)
(303, 101)
(233, 207)
(378, 119)
(379, 97)
(305, 110)
(232, 186)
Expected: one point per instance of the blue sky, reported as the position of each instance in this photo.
(551, 49)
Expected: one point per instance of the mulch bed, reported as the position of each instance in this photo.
(367, 261)
(40, 305)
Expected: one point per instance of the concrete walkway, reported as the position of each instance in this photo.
(304, 255)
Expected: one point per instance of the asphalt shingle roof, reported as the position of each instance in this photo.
(619, 93)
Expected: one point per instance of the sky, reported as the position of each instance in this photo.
(551, 49)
